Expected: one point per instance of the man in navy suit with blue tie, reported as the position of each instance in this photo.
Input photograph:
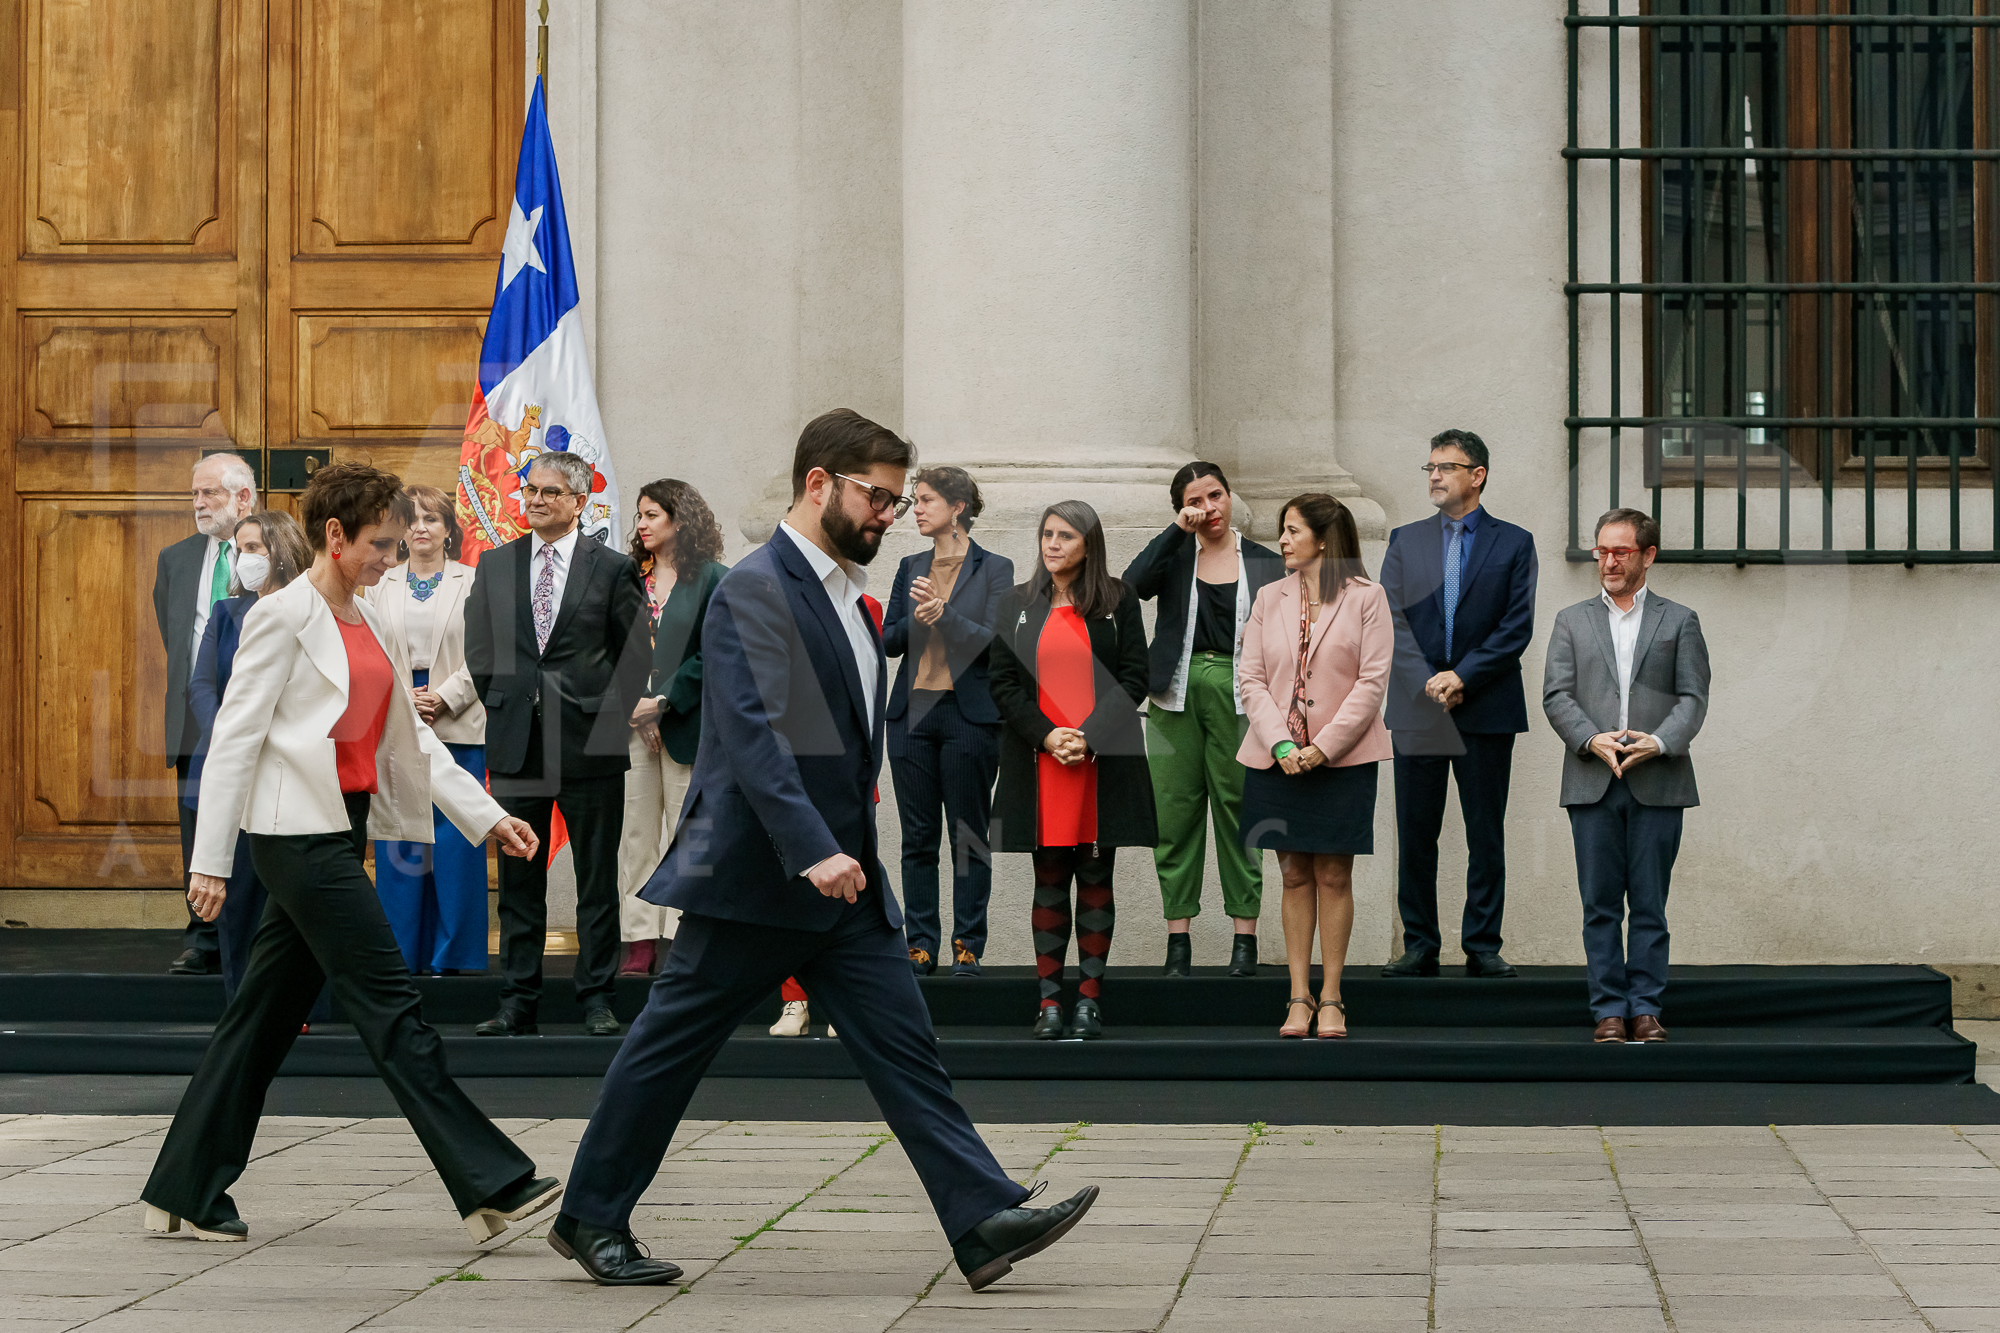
(1462, 593)
(776, 871)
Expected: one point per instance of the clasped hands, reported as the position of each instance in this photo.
(1301, 760)
(928, 605)
(1067, 744)
(1446, 688)
(205, 893)
(428, 702)
(1622, 750)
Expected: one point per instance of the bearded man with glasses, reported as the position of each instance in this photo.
(1626, 687)
(1461, 588)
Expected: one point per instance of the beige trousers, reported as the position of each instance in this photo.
(655, 786)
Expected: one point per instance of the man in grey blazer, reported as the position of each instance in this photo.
(1626, 687)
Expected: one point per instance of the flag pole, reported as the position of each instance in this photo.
(542, 48)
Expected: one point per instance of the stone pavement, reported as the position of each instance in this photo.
(821, 1228)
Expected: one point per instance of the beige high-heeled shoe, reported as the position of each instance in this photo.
(160, 1220)
(1288, 1032)
(1325, 1005)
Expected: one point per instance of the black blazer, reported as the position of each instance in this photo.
(1165, 569)
(967, 626)
(175, 575)
(1125, 816)
(785, 773)
(1492, 628)
(210, 678)
(595, 666)
(676, 677)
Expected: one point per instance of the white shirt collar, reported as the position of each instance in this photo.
(824, 565)
(565, 545)
(1638, 602)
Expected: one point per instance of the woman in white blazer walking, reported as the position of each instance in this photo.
(435, 892)
(314, 748)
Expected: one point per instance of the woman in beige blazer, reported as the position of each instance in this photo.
(316, 746)
(434, 891)
(1314, 668)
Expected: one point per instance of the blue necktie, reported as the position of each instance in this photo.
(1451, 559)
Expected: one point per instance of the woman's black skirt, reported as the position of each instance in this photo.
(1326, 810)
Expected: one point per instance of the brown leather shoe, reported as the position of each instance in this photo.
(1609, 1029)
(1646, 1027)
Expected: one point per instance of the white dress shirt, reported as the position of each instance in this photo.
(1624, 644)
(201, 602)
(565, 549)
(845, 587)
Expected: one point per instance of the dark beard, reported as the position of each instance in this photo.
(850, 539)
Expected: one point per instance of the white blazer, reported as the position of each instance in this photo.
(271, 767)
(462, 721)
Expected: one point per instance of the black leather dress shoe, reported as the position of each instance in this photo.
(508, 1023)
(990, 1250)
(599, 1021)
(523, 1198)
(1488, 965)
(1180, 956)
(612, 1258)
(1049, 1023)
(1086, 1022)
(1243, 956)
(1413, 963)
(195, 963)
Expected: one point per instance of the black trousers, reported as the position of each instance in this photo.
(859, 976)
(322, 920)
(593, 809)
(944, 790)
(236, 930)
(198, 934)
(1482, 772)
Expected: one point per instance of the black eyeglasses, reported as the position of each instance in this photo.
(880, 498)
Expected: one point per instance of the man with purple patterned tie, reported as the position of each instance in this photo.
(550, 643)
(1461, 591)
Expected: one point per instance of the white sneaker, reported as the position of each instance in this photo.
(794, 1022)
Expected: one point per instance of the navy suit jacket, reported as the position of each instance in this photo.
(1494, 624)
(967, 626)
(210, 677)
(785, 773)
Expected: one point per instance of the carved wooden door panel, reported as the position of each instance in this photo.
(260, 225)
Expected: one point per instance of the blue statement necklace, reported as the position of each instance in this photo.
(421, 589)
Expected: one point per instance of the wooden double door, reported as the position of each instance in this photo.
(263, 225)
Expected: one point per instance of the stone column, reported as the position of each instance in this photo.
(1047, 271)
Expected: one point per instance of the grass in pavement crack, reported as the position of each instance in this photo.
(1256, 1131)
(1632, 1220)
(1437, 1175)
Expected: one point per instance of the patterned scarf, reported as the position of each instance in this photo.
(1295, 720)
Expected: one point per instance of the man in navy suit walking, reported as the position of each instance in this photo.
(776, 871)
(1462, 592)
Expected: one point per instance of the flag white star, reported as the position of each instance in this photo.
(518, 250)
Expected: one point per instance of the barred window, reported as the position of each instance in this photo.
(1816, 294)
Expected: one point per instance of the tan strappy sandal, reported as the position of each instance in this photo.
(1325, 1005)
(1287, 1030)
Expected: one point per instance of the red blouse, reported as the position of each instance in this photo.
(1065, 675)
(358, 733)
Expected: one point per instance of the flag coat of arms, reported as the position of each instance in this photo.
(535, 394)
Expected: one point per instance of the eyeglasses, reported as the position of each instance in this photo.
(545, 492)
(881, 499)
(1446, 468)
(1613, 552)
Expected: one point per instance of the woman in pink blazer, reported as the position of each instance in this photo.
(1314, 667)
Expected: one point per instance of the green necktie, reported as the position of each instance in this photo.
(218, 583)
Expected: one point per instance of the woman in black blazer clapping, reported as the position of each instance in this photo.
(675, 542)
(943, 730)
(1069, 674)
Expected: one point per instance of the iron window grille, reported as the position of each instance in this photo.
(1817, 312)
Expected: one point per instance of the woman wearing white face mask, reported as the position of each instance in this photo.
(271, 551)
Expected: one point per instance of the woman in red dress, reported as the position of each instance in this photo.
(1069, 675)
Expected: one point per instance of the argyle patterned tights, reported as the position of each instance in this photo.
(1054, 868)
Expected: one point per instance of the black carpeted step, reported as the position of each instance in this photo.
(1705, 997)
(1566, 1053)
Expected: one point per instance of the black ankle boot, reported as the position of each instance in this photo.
(1243, 956)
(1180, 956)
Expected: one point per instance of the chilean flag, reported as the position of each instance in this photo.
(535, 392)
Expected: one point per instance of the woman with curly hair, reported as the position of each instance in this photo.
(676, 543)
